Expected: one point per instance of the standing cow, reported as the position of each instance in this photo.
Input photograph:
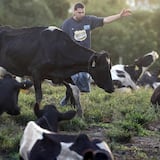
(49, 53)
(9, 91)
(128, 75)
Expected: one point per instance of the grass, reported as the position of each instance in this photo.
(121, 115)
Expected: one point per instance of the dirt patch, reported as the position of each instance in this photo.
(140, 148)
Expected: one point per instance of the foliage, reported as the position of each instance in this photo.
(32, 12)
(121, 115)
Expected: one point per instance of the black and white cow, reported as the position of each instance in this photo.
(150, 79)
(9, 91)
(128, 75)
(49, 53)
(41, 141)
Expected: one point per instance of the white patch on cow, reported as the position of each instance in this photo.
(104, 145)
(52, 28)
(67, 154)
(154, 54)
(126, 80)
(156, 84)
(3, 71)
(108, 61)
(31, 134)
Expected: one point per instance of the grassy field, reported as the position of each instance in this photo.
(124, 120)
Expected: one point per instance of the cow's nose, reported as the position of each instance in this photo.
(110, 90)
(102, 156)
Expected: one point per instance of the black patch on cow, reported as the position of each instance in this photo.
(134, 71)
(49, 117)
(120, 73)
(46, 149)
(144, 61)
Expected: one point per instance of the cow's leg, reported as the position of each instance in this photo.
(66, 98)
(73, 94)
(37, 86)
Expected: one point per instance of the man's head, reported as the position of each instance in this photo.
(79, 11)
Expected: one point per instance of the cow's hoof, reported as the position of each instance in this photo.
(80, 113)
(63, 102)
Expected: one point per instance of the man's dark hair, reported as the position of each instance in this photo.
(78, 5)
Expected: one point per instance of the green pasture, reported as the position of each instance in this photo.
(120, 115)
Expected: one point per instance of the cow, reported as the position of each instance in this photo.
(40, 142)
(49, 53)
(9, 91)
(150, 79)
(155, 97)
(128, 75)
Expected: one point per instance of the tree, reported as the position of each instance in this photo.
(32, 12)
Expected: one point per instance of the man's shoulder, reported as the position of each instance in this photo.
(68, 20)
(91, 17)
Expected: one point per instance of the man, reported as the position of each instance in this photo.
(79, 27)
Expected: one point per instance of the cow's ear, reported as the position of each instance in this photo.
(67, 115)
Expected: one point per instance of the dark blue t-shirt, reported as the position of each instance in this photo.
(79, 31)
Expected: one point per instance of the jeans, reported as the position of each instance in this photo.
(82, 81)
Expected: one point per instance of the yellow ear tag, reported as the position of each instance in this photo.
(93, 64)
(136, 68)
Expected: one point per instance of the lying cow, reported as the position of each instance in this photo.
(128, 75)
(39, 143)
(49, 53)
(150, 79)
(9, 91)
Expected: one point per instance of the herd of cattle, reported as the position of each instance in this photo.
(48, 53)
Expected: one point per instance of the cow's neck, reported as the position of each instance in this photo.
(134, 71)
(45, 124)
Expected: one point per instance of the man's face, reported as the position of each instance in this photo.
(79, 13)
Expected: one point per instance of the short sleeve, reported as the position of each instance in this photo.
(95, 21)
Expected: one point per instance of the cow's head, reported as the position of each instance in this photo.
(49, 116)
(147, 60)
(9, 91)
(91, 149)
(99, 68)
